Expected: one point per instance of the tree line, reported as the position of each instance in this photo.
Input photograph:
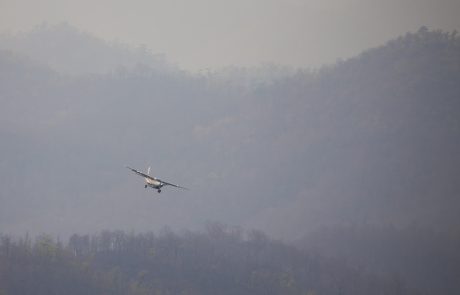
(220, 260)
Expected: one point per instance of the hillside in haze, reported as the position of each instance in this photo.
(374, 137)
(370, 143)
(70, 51)
(369, 140)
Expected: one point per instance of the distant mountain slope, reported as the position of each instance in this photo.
(374, 139)
(380, 133)
(70, 51)
(369, 143)
(369, 140)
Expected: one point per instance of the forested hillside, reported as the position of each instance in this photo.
(340, 158)
(222, 260)
(73, 52)
(373, 139)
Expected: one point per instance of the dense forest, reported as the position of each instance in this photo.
(221, 260)
(354, 166)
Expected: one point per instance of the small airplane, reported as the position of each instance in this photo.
(154, 182)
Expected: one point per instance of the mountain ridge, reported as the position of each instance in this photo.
(363, 141)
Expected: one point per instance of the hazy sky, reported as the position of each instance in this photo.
(198, 34)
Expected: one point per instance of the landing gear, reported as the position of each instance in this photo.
(159, 190)
(145, 186)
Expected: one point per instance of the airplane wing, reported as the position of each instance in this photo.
(141, 173)
(174, 185)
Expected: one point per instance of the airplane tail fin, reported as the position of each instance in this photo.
(148, 171)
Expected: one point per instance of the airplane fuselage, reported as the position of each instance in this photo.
(154, 183)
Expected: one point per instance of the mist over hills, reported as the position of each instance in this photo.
(370, 142)
(70, 51)
(378, 134)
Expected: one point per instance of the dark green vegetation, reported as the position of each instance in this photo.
(367, 148)
(222, 260)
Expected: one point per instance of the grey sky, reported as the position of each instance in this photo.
(213, 33)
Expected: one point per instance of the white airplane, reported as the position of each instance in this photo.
(153, 182)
